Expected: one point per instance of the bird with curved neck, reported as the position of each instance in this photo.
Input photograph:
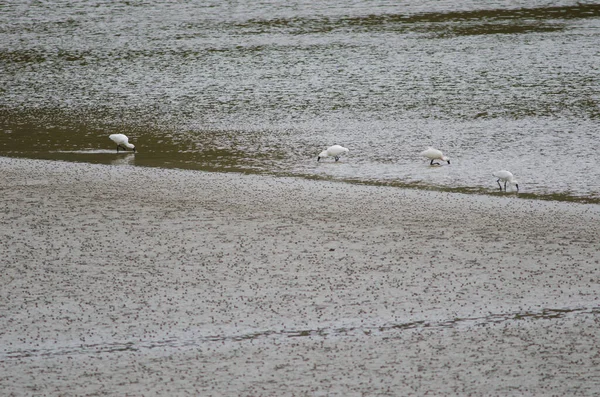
(334, 151)
(507, 177)
(122, 142)
(434, 154)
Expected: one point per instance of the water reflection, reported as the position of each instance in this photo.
(497, 86)
(128, 159)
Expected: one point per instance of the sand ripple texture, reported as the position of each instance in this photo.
(119, 280)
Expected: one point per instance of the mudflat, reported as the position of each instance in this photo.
(121, 280)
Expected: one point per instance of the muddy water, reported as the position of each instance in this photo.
(264, 87)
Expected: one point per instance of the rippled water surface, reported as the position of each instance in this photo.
(265, 86)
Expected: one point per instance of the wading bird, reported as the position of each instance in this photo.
(334, 151)
(506, 177)
(122, 142)
(434, 154)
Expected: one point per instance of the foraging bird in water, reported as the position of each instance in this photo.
(434, 154)
(334, 151)
(506, 177)
(121, 141)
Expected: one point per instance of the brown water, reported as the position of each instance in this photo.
(265, 87)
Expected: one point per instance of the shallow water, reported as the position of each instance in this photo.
(264, 87)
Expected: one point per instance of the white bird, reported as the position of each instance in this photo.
(506, 177)
(333, 151)
(121, 141)
(434, 154)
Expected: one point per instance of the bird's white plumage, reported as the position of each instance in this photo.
(434, 154)
(333, 151)
(121, 140)
(506, 177)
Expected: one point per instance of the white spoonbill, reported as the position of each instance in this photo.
(333, 151)
(506, 177)
(434, 154)
(122, 142)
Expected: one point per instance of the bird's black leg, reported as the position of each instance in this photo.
(499, 185)
(505, 185)
(337, 158)
(431, 163)
(117, 148)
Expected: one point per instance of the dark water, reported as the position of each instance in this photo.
(265, 86)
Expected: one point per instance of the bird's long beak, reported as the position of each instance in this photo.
(318, 158)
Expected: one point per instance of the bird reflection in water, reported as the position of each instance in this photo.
(128, 159)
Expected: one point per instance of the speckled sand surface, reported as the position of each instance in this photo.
(119, 280)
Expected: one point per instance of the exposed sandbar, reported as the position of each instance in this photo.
(117, 279)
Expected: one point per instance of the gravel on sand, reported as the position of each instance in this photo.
(121, 280)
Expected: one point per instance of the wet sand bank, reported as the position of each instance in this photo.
(119, 280)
